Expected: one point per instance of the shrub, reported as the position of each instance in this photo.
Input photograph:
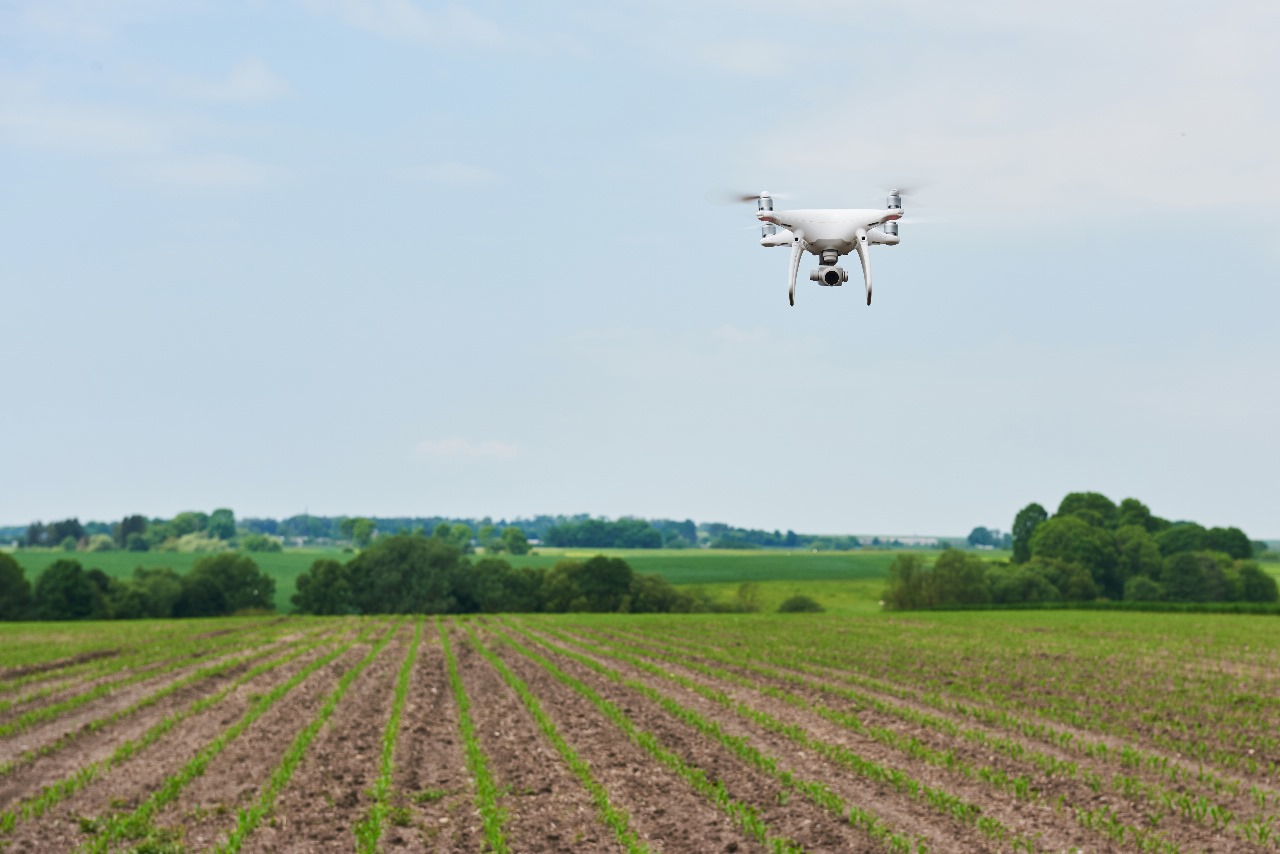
(800, 603)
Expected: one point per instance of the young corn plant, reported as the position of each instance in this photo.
(369, 830)
(283, 773)
(38, 805)
(137, 824)
(614, 817)
(492, 816)
(744, 815)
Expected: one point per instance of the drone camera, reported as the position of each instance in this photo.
(829, 276)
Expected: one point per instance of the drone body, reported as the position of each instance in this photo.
(829, 234)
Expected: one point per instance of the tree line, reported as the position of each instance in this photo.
(216, 585)
(197, 531)
(420, 574)
(189, 531)
(1091, 549)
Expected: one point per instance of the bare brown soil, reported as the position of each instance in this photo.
(45, 667)
(429, 779)
(548, 810)
(207, 808)
(546, 807)
(662, 809)
(330, 790)
(126, 786)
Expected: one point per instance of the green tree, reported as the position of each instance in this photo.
(201, 596)
(1133, 512)
(1089, 505)
(514, 540)
(653, 594)
(406, 574)
(1193, 577)
(1137, 554)
(129, 525)
(64, 591)
(604, 582)
(1070, 538)
(1017, 583)
(1140, 588)
(15, 590)
(1231, 541)
(161, 587)
(137, 542)
(325, 588)
(101, 543)
(1255, 584)
(1024, 525)
(959, 578)
(242, 584)
(221, 524)
(908, 583)
(260, 543)
(362, 531)
(1182, 537)
(981, 537)
(188, 522)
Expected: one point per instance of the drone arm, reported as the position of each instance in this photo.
(864, 256)
(797, 249)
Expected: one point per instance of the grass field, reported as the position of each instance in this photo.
(843, 582)
(284, 567)
(963, 731)
(718, 571)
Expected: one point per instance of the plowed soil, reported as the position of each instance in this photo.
(1106, 801)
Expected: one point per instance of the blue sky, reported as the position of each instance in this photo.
(401, 257)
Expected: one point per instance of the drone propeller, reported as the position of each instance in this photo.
(730, 197)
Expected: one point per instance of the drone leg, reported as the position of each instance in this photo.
(797, 249)
(865, 257)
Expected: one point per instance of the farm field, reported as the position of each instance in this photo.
(679, 566)
(960, 731)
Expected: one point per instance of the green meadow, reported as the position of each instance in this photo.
(844, 582)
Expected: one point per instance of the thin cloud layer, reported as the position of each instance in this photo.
(458, 448)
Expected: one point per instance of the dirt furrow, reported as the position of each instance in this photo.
(547, 808)
(429, 781)
(128, 784)
(329, 792)
(786, 812)
(1053, 822)
(665, 813)
(48, 769)
(207, 808)
(910, 700)
(47, 732)
(1071, 792)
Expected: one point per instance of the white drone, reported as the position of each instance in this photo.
(828, 234)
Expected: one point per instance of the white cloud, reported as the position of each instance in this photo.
(206, 171)
(452, 172)
(251, 80)
(457, 448)
(404, 20)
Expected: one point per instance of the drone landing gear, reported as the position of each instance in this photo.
(797, 249)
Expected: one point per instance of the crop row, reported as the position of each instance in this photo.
(1019, 786)
(138, 824)
(38, 804)
(1253, 827)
